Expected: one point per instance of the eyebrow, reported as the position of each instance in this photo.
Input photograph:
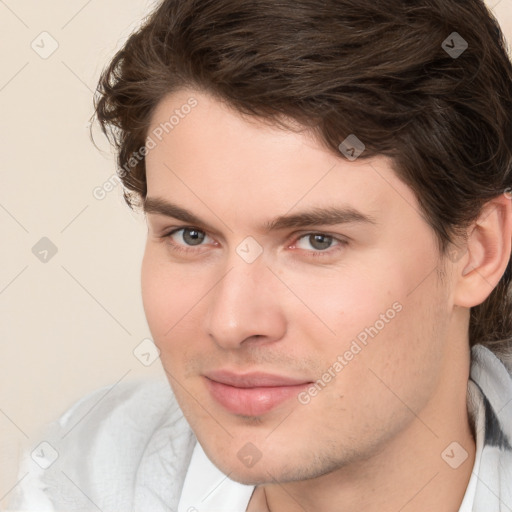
(315, 216)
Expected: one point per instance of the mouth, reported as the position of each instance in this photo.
(252, 394)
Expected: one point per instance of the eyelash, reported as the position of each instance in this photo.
(314, 254)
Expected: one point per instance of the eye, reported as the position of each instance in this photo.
(318, 241)
(190, 236)
(318, 244)
(185, 239)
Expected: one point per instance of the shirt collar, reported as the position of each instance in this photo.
(207, 489)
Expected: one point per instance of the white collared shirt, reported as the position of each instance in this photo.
(206, 488)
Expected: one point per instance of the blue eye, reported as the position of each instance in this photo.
(323, 245)
(185, 239)
(319, 241)
(191, 236)
(190, 239)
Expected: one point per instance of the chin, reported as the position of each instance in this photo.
(272, 468)
(259, 478)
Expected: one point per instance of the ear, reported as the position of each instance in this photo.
(488, 252)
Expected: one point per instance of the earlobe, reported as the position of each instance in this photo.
(488, 252)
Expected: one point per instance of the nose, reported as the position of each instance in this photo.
(244, 307)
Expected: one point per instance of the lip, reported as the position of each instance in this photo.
(252, 394)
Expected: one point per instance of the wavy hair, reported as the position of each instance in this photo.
(387, 71)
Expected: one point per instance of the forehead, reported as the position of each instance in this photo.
(209, 157)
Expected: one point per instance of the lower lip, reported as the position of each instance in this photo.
(252, 401)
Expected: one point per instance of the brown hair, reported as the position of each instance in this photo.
(384, 71)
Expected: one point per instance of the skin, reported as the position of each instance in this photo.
(372, 438)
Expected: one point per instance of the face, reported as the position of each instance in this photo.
(290, 291)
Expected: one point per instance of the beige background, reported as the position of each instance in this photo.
(68, 325)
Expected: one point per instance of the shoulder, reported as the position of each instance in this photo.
(490, 400)
(119, 445)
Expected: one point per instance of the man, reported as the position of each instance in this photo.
(327, 268)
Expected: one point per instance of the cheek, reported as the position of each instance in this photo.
(338, 307)
(156, 295)
(377, 383)
(403, 356)
(168, 297)
(389, 317)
